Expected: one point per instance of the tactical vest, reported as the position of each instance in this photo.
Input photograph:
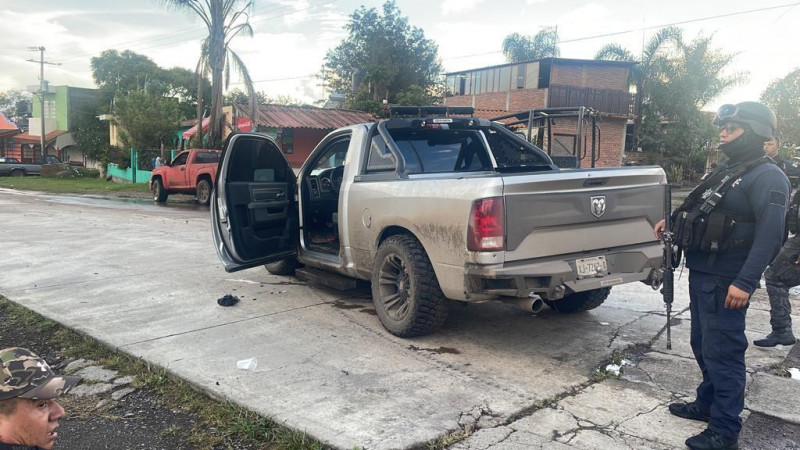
(699, 225)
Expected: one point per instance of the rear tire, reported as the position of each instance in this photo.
(580, 301)
(406, 293)
(159, 194)
(17, 173)
(203, 192)
(284, 266)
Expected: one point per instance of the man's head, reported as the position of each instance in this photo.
(28, 388)
(772, 147)
(755, 117)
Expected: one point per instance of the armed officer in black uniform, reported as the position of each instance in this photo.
(784, 272)
(730, 228)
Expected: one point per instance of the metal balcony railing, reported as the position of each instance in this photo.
(604, 100)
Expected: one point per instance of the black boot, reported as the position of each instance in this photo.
(711, 440)
(691, 411)
(775, 338)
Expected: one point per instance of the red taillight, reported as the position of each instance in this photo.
(486, 225)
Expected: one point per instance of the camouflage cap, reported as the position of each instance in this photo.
(25, 375)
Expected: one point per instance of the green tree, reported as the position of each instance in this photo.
(415, 96)
(92, 137)
(647, 70)
(224, 21)
(181, 84)
(674, 82)
(687, 84)
(382, 56)
(120, 73)
(15, 105)
(238, 96)
(146, 120)
(544, 44)
(783, 96)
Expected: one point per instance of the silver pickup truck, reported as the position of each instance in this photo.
(438, 209)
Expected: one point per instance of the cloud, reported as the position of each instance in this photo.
(296, 11)
(459, 6)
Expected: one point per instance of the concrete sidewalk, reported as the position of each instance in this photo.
(144, 279)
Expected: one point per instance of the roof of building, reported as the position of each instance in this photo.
(26, 138)
(274, 116)
(191, 131)
(7, 126)
(601, 62)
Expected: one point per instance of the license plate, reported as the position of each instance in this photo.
(591, 267)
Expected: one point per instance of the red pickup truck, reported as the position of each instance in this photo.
(190, 172)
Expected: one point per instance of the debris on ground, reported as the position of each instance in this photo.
(228, 300)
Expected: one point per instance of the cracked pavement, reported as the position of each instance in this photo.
(144, 279)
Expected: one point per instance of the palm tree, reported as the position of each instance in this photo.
(224, 19)
(647, 68)
(518, 48)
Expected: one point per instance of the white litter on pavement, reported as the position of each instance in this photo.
(238, 280)
(616, 368)
(795, 372)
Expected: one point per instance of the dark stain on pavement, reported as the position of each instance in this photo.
(369, 311)
(343, 305)
(438, 350)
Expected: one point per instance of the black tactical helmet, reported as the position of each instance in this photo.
(757, 116)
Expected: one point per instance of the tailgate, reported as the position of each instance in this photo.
(581, 211)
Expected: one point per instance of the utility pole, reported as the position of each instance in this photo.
(41, 62)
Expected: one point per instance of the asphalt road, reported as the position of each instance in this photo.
(145, 279)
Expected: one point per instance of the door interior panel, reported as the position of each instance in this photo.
(260, 199)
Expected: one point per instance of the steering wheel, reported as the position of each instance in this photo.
(336, 179)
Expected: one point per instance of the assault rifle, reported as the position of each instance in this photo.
(668, 287)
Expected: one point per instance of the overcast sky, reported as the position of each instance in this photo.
(292, 36)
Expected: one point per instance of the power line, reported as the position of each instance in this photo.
(616, 33)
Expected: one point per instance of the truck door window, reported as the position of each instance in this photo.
(334, 156)
(380, 158)
(180, 160)
(254, 160)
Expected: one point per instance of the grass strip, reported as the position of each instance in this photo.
(72, 185)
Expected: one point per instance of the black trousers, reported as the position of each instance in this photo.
(718, 342)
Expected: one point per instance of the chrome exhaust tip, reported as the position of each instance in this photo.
(530, 304)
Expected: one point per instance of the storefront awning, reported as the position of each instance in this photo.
(64, 140)
(191, 131)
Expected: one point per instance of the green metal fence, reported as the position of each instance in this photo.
(137, 173)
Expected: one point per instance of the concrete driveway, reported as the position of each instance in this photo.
(145, 279)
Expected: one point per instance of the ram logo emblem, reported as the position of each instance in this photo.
(598, 205)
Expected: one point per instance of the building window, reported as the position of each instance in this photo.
(521, 76)
(505, 79)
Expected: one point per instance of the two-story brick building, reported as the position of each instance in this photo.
(553, 83)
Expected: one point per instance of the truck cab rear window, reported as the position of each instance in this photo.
(442, 150)
(206, 157)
